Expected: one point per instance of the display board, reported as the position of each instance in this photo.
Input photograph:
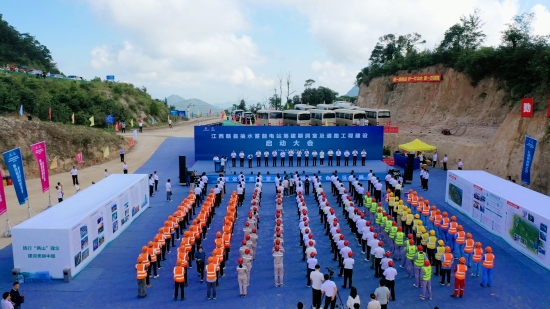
(72, 233)
(251, 179)
(519, 215)
(221, 140)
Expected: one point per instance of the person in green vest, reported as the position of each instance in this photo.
(378, 219)
(373, 208)
(426, 273)
(398, 243)
(438, 254)
(393, 231)
(411, 252)
(418, 260)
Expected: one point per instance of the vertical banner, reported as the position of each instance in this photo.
(14, 162)
(39, 151)
(79, 158)
(528, 155)
(3, 205)
(548, 107)
(527, 107)
(131, 142)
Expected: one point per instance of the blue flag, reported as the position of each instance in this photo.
(528, 155)
(21, 110)
(14, 162)
(153, 120)
(135, 133)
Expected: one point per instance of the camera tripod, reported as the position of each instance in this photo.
(331, 278)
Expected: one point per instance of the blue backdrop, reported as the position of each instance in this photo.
(221, 141)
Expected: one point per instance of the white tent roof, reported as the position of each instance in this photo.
(80, 205)
(517, 194)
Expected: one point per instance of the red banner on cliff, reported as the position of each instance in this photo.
(39, 151)
(3, 205)
(548, 107)
(417, 78)
(527, 107)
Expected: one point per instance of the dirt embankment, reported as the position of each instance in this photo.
(489, 132)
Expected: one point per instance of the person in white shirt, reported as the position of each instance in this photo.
(426, 178)
(106, 174)
(74, 175)
(434, 159)
(299, 157)
(389, 274)
(353, 298)
(347, 265)
(378, 255)
(346, 156)
(330, 290)
(290, 157)
(445, 159)
(354, 153)
(330, 153)
(125, 168)
(363, 157)
(314, 157)
(373, 304)
(151, 185)
(156, 178)
(306, 157)
(6, 301)
(258, 158)
(460, 164)
(233, 158)
(283, 156)
(241, 158)
(317, 280)
(249, 157)
(322, 157)
(274, 155)
(338, 156)
(168, 191)
(59, 194)
(223, 161)
(266, 158)
(311, 263)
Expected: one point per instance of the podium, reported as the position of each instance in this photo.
(218, 166)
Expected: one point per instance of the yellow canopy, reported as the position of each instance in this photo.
(417, 145)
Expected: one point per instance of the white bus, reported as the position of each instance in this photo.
(269, 117)
(377, 117)
(343, 104)
(303, 107)
(322, 117)
(327, 107)
(348, 117)
(296, 118)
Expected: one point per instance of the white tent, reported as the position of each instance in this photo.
(70, 234)
(517, 214)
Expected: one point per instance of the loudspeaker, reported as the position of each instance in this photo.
(15, 274)
(407, 178)
(183, 171)
(67, 275)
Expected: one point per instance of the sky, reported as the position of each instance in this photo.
(224, 50)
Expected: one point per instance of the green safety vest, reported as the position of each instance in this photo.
(439, 252)
(383, 221)
(427, 273)
(399, 237)
(379, 218)
(420, 257)
(411, 250)
(373, 207)
(367, 199)
(393, 230)
(388, 225)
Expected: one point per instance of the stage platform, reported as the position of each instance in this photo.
(378, 167)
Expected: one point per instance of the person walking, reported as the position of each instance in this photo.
(418, 260)
(460, 278)
(426, 282)
(124, 167)
(168, 191)
(329, 289)
(74, 175)
(179, 280)
(156, 178)
(317, 280)
(382, 294)
(242, 277)
(487, 266)
(121, 152)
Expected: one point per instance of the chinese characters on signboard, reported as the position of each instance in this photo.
(417, 78)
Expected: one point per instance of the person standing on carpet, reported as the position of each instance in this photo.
(179, 280)
(330, 290)
(156, 178)
(314, 157)
(241, 158)
(151, 185)
(242, 277)
(274, 155)
(211, 277)
(17, 298)
(266, 158)
(306, 157)
(233, 159)
(322, 157)
(249, 157)
(141, 276)
(278, 266)
(317, 280)
(258, 158)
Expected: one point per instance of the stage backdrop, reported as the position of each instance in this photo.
(519, 215)
(221, 141)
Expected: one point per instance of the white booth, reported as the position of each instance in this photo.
(72, 233)
(517, 214)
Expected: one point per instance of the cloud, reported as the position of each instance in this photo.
(180, 43)
(336, 76)
(541, 24)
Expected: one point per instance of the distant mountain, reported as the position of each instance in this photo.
(195, 105)
(353, 92)
(174, 99)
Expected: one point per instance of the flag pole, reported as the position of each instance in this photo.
(29, 209)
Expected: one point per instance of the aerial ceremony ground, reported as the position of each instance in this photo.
(109, 280)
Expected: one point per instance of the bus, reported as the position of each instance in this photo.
(267, 117)
(303, 107)
(296, 118)
(327, 107)
(321, 117)
(343, 104)
(378, 117)
(248, 118)
(238, 113)
(348, 117)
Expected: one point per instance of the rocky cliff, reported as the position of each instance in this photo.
(488, 132)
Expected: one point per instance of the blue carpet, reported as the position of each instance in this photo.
(109, 281)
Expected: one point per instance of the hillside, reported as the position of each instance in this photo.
(195, 105)
(490, 131)
(63, 141)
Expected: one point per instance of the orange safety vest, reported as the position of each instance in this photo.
(211, 272)
(141, 271)
(227, 240)
(461, 270)
(432, 216)
(447, 260)
(460, 237)
(152, 254)
(426, 210)
(445, 223)
(161, 239)
(218, 242)
(414, 201)
(469, 247)
(437, 220)
(419, 207)
(489, 260)
(452, 227)
(478, 253)
(179, 274)
(144, 258)
(166, 232)
(219, 255)
(409, 198)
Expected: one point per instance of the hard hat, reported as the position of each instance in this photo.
(367, 223)
(384, 213)
(307, 231)
(327, 203)
(311, 243)
(379, 203)
(335, 223)
(433, 207)
(388, 254)
(186, 233)
(389, 217)
(150, 244)
(211, 259)
(254, 230)
(453, 218)
(460, 228)
(306, 223)
(362, 216)
(420, 248)
(379, 209)
(394, 223)
(373, 200)
(279, 221)
(351, 203)
(372, 229)
(312, 254)
(445, 214)
(247, 237)
(277, 229)
(332, 210)
(462, 260)
(218, 234)
(144, 249)
(246, 251)
(341, 236)
(447, 249)
(338, 230)
(438, 212)
(478, 244)
(488, 249)
(422, 229)
(380, 243)
(400, 229)
(304, 219)
(375, 235)
(440, 242)
(410, 236)
(427, 263)
(247, 224)
(346, 242)
(416, 216)
(304, 211)
(390, 263)
(350, 254)
(420, 223)
(432, 233)
(310, 236)
(278, 234)
(411, 242)
(276, 248)
(277, 242)
(240, 260)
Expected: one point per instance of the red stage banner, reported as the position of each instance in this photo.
(79, 158)
(3, 205)
(39, 151)
(548, 107)
(527, 107)
(417, 78)
(131, 142)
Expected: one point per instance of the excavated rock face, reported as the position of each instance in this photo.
(488, 133)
